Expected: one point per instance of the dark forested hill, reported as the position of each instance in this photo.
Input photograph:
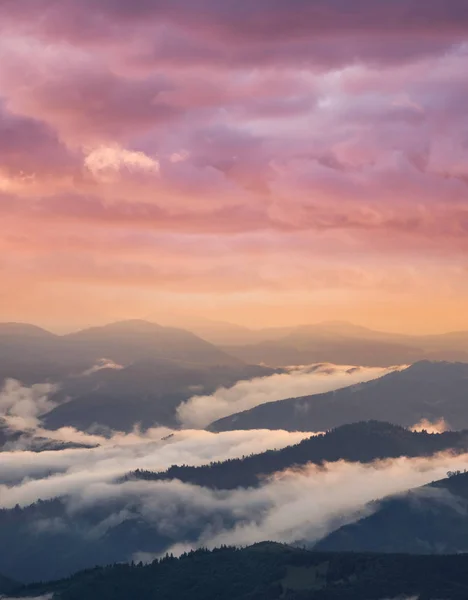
(51, 539)
(430, 519)
(7, 585)
(48, 540)
(269, 571)
(357, 442)
(430, 390)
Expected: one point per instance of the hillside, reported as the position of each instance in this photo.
(432, 519)
(54, 538)
(44, 541)
(7, 585)
(32, 354)
(269, 571)
(359, 442)
(426, 390)
(28, 440)
(222, 333)
(127, 341)
(344, 343)
(118, 374)
(146, 391)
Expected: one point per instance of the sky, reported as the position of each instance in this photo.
(267, 163)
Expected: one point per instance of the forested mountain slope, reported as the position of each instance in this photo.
(429, 390)
(357, 442)
(432, 519)
(269, 571)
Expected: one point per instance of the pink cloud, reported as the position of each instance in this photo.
(29, 148)
(268, 145)
(263, 24)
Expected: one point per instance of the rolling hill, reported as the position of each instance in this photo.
(359, 442)
(432, 519)
(147, 392)
(52, 539)
(426, 390)
(7, 585)
(269, 571)
(118, 374)
(128, 341)
(32, 354)
(344, 343)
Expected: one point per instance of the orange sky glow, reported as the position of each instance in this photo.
(264, 163)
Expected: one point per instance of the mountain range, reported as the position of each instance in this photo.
(425, 390)
(119, 374)
(52, 539)
(139, 372)
(212, 342)
(146, 391)
(344, 343)
(362, 442)
(31, 354)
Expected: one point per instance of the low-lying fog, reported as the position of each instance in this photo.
(295, 504)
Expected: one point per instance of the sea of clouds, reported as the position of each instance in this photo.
(297, 504)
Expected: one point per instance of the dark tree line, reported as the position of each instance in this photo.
(269, 571)
(358, 442)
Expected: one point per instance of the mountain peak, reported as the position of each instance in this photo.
(338, 323)
(435, 369)
(132, 325)
(23, 329)
(275, 547)
(346, 328)
(120, 327)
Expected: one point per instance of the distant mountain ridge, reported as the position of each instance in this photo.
(31, 354)
(340, 342)
(362, 442)
(150, 370)
(24, 330)
(425, 390)
(156, 368)
(127, 341)
(337, 342)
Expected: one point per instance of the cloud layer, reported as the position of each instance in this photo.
(295, 505)
(264, 161)
(156, 450)
(200, 411)
(22, 406)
